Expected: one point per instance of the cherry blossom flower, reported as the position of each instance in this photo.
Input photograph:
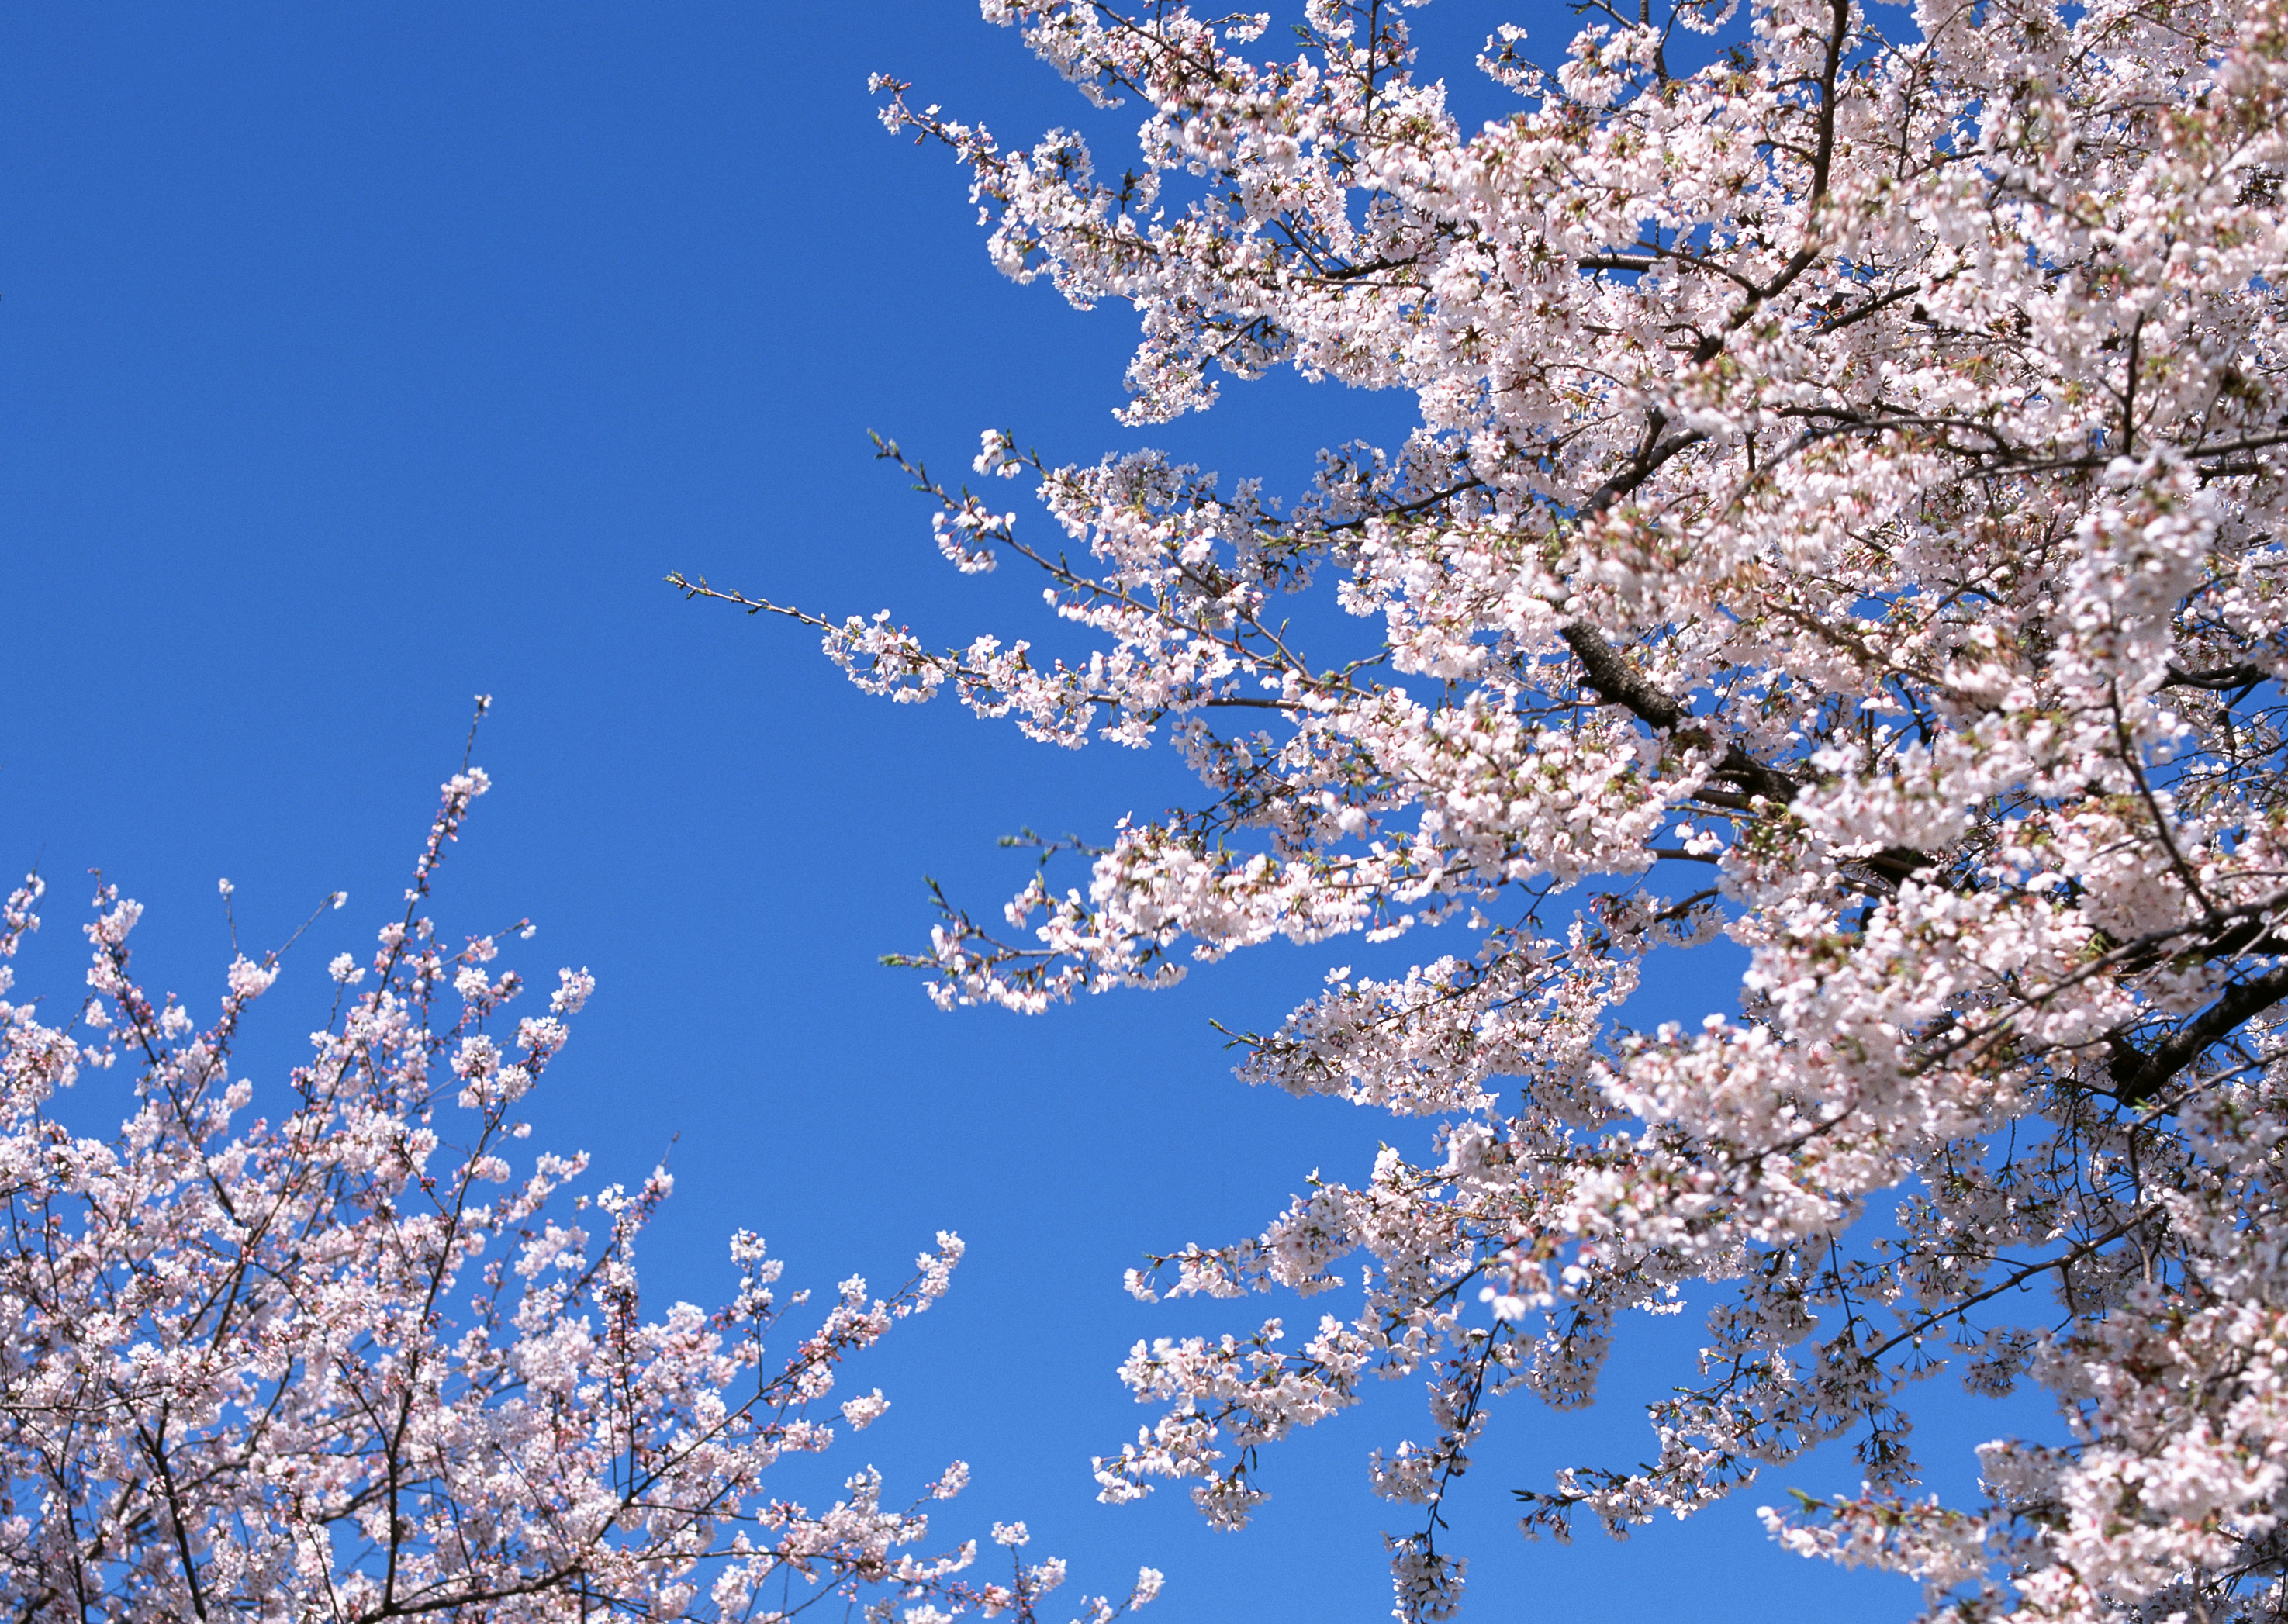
(1846, 519)
(324, 1352)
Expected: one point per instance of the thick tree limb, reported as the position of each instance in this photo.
(2221, 678)
(1621, 684)
(2138, 1076)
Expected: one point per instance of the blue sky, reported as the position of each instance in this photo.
(356, 359)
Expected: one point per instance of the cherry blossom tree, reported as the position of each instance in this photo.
(1844, 521)
(343, 1363)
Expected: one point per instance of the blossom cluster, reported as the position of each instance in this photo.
(320, 1353)
(1850, 475)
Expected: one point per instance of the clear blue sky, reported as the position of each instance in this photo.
(354, 360)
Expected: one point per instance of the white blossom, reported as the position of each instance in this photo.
(341, 1361)
(1846, 519)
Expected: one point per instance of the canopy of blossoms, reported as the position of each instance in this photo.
(1846, 519)
(341, 1363)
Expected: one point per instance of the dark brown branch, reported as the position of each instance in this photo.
(1621, 684)
(2221, 678)
(156, 1448)
(2138, 1076)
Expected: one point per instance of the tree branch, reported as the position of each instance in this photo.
(2138, 1076)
